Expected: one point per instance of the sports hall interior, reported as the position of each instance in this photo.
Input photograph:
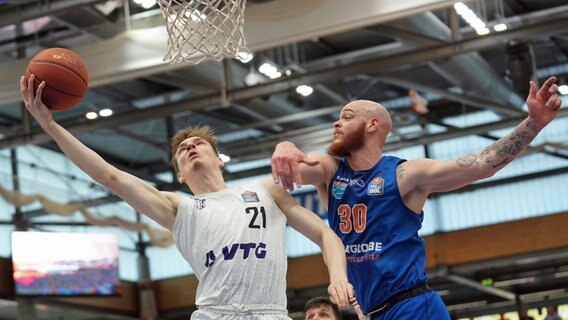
(491, 246)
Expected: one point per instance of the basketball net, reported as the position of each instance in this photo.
(203, 29)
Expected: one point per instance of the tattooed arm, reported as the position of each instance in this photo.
(418, 178)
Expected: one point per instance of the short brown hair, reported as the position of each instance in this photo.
(322, 301)
(204, 132)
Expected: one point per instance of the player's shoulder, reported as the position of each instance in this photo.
(272, 188)
(326, 161)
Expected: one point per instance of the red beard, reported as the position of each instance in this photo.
(348, 143)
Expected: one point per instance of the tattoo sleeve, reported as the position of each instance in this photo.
(467, 161)
(504, 150)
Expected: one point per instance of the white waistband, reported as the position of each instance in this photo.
(237, 308)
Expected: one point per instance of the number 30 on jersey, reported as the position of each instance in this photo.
(352, 218)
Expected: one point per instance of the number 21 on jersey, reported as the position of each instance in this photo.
(352, 218)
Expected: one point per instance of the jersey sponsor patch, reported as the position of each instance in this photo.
(357, 182)
(249, 196)
(338, 189)
(376, 186)
(362, 252)
(365, 258)
(199, 203)
(236, 250)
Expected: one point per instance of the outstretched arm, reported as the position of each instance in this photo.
(290, 165)
(425, 176)
(311, 226)
(159, 206)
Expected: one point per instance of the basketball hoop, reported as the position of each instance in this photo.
(204, 29)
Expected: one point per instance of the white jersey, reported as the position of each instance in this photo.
(234, 240)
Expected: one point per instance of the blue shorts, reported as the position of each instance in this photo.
(427, 306)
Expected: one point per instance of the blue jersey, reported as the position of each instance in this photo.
(384, 253)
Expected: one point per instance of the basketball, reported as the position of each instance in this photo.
(65, 75)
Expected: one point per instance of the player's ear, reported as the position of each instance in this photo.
(180, 178)
(373, 125)
(221, 163)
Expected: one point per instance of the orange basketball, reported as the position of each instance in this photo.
(65, 75)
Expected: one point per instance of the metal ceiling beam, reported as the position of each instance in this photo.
(471, 101)
(422, 39)
(478, 286)
(379, 66)
(13, 15)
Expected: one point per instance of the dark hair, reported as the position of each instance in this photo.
(322, 301)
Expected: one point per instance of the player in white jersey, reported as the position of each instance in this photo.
(234, 238)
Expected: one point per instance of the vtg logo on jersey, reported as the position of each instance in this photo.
(230, 251)
(338, 189)
(376, 186)
(249, 196)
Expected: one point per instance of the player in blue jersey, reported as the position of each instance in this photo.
(375, 201)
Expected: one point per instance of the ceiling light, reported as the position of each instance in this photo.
(482, 31)
(245, 57)
(195, 15)
(471, 18)
(91, 115)
(252, 78)
(269, 70)
(147, 4)
(563, 89)
(105, 112)
(224, 157)
(500, 27)
(304, 90)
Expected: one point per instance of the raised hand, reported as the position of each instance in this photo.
(33, 102)
(285, 165)
(544, 103)
(341, 293)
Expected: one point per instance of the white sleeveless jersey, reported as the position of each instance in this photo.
(234, 240)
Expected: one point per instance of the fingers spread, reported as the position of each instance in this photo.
(533, 89)
(307, 160)
(286, 176)
(558, 103)
(553, 89)
(31, 86)
(551, 102)
(39, 92)
(297, 175)
(548, 83)
(274, 169)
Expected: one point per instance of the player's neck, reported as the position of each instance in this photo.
(367, 156)
(206, 182)
(364, 159)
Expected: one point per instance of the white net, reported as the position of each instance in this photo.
(203, 29)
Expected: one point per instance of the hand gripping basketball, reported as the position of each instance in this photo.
(65, 76)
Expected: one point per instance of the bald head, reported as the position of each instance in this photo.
(372, 109)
